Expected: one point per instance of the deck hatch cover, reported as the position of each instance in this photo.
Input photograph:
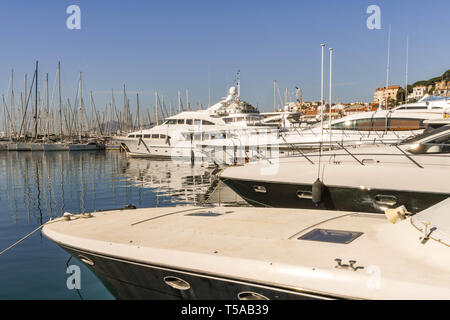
(328, 235)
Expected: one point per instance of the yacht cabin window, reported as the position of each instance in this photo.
(180, 121)
(379, 124)
(207, 123)
(147, 136)
(171, 121)
(155, 136)
(131, 136)
(406, 124)
(189, 121)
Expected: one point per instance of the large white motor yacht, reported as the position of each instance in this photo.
(187, 127)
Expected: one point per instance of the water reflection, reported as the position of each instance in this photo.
(182, 182)
(36, 186)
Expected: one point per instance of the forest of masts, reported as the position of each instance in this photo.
(36, 115)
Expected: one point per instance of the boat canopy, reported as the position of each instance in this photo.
(438, 217)
(428, 97)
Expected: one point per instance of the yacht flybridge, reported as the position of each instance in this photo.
(414, 173)
(261, 253)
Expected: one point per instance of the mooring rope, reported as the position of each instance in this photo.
(72, 216)
(28, 235)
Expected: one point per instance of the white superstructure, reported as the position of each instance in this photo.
(161, 141)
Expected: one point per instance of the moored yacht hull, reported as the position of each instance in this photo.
(346, 187)
(127, 279)
(291, 195)
(248, 253)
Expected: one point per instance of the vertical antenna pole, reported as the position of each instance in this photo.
(321, 95)
(387, 69)
(406, 84)
(331, 100)
(274, 95)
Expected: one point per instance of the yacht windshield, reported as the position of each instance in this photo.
(424, 135)
(432, 98)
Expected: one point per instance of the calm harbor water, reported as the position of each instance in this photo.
(36, 186)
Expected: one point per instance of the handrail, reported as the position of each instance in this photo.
(412, 160)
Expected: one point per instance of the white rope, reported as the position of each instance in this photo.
(28, 235)
(72, 216)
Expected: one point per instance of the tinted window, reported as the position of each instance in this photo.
(379, 124)
(146, 136)
(425, 134)
(171, 121)
(363, 124)
(405, 124)
(180, 121)
(189, 121)
(344, 125)
(155, 136)
(131, 136)
(139, 136)
(206, 122)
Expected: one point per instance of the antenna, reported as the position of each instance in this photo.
(274, 95)
(387, 69)
(321, 99)
(406, 84)
(238, 84)
(331, 68)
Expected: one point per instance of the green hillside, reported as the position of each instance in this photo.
(432, 81)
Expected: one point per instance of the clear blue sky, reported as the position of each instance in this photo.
(171, 45)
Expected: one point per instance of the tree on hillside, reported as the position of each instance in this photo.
(400, 96)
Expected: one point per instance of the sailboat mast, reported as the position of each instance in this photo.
(47, 104)
(188, 106)
(60, 101)
(36, 102)
(81, 106)
(138, 112)
(156, 108)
